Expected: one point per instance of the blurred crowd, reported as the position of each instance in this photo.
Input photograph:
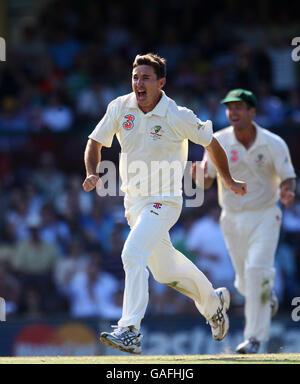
(60, 247)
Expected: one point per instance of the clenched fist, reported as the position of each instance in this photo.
(238, 187)
(90, 183)
(287, 196)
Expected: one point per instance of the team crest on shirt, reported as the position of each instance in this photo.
(260, 160)
(156, 132)
(129, 122)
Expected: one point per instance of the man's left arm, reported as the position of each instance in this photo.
(285, 171)
(287, 192)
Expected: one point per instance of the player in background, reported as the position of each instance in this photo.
(251, 226)
(150, 126)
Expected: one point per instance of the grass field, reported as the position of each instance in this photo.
(282, 358)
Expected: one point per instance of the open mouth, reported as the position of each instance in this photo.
(141, 95)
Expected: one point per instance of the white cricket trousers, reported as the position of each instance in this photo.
(251, 238)
(148, 244)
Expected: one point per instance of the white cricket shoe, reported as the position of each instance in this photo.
(126, 339)
(220, 322)
(248, 346)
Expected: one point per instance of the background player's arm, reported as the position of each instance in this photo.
(92, 158)
(219, 158)
(200, 176)
(287, 192)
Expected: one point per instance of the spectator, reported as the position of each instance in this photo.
(293, 107)
(34, 262)
(63, 49)
(205, 239)
(112, 260)
(92, 292)
(10, 288)
(75, 262)
(48, 179)
(34, 256)
(281, 63)
(97, 227)
(17, 216)
(92, 101)
(73, 199)
(53, 230)
(271, 109)
(56, 116)
(12, 118)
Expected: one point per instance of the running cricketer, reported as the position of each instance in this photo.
(251, 226)
(150, 126)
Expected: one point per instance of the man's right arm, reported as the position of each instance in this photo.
(219, 158)
(92, 158)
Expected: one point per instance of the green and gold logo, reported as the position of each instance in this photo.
(156, 132)
(260, 160)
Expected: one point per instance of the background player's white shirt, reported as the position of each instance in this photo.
(263, 167)
(159, 135)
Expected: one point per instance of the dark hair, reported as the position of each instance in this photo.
(156, 62)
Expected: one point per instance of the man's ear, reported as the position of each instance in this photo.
(162, 82)
(253, 112)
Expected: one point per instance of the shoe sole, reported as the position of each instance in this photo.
(225, 297)
(110, 344)
(242, 352)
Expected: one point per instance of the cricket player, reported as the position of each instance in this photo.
(151, 127)
(251, 225)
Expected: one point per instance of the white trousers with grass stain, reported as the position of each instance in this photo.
(251, 238)
(148, 245)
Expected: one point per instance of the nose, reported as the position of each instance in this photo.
(139, 82)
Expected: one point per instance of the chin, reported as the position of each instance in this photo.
(236, 126)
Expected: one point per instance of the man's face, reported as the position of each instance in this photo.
(239, 114)
(146, 87)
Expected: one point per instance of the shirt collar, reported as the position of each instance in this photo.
(160, 108)
(259, 139)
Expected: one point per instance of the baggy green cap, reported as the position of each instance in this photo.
(240, 95)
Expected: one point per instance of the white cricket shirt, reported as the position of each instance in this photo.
(263, 167)
(154, 146)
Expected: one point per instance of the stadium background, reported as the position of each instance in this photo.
(60, 267)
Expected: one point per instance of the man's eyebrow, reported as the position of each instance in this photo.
(144, 75)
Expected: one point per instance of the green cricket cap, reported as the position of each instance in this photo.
(240, 95)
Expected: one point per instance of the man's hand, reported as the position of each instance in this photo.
(90, 183)
(238, 187)
(286, 196)
(198, 172)
(199, 175)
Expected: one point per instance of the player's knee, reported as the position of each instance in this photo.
(259, 282)
(161, 276)
(133, 257)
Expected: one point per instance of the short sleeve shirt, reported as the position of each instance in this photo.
(263, 167)
(154, 146)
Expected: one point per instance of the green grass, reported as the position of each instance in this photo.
(281, 358)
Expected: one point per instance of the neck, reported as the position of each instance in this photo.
(246, 135)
